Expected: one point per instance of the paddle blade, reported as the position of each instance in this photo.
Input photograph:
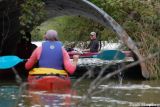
(111, 55)
(9, 61)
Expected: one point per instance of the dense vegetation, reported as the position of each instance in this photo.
(33, 14)
(73, 29)
(140, 18)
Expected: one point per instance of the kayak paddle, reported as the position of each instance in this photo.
(109, 55)
(9, 61)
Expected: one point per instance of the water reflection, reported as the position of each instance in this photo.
(130, 93)
(109, 93)
(8, 95)
(48, 99)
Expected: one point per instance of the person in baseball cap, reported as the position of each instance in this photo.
(94, 43)
(93, 33)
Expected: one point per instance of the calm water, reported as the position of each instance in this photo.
(110, 93)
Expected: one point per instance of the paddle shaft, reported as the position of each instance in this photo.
(18, 78)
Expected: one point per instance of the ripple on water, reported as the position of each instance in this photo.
(129, 87)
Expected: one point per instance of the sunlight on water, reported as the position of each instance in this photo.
(129, 87)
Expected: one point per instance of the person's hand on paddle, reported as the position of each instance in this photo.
(75, 59)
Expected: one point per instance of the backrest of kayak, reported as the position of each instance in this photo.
(46, 71)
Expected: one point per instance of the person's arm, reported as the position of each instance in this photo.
(33, 58)
(86, 50)
(69, 66)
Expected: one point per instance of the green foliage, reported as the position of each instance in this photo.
(141, 20)
(32, 15)
(132, 14)
(73, 28)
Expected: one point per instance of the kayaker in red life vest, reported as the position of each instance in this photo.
(52, 55)
(94, 44)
